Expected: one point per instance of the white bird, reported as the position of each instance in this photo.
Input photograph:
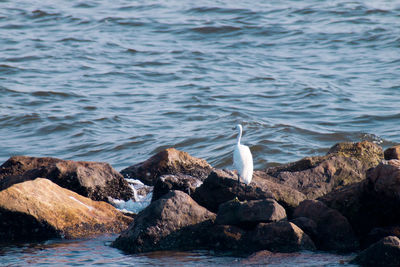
(242, 159)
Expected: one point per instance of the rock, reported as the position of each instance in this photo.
(208, 236)
(282, 236)
(385, 252)
(371, 203)
(286, 196)
(168, 182)
(352, 202)
(222, 186)
(95, 180)
(250, 212)
(307, 225)
(345, 163)
(368, 153)
(169, 214)
(392, 153)
(40, 209)
(378, 233)
(384, 180)
(168, 161)
(334, 232)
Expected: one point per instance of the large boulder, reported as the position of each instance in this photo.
(345, 163)
(222, 186)
(333, 232)
(40, 209)
(282, 236)
(168, 182)
(164, 217)
(385, 252)
(168, 161)
(96, 180)
(370, 203)
(250, 212)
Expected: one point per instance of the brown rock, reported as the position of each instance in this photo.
(378, 233)
(250, 212)
(168, 161)
(346, 163)
(334, 232)
(40, 209)
(368, 153)
(371, 203)
(280, 236)
(222, 186)
(209, 236)
(385, 179)
(165, 216)
(392, 153)
(385, 252)
(307, 225)
(288, 197)
(95, 180)
(168, 182)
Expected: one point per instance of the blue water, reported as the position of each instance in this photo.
(118, 81)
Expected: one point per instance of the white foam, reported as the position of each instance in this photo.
(131, 206)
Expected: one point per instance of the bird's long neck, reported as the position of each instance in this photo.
(239, 136)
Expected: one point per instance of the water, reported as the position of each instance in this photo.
(118, 81)
(92, 252)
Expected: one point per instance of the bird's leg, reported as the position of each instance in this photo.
(237, 191)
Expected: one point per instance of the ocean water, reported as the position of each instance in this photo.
(118, 81)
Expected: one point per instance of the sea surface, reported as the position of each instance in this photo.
(118, 80)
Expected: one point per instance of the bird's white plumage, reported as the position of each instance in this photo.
(242, 159)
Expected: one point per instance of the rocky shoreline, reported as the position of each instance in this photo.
(345, 201)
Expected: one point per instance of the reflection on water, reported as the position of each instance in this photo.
(98, 252)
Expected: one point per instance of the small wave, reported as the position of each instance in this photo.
(8, 69)
(73, 39)
(22, 58)
(53, 94)
(219, 10)
(18, 120)
(123, 21)
(37, 13)
(214, 30)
